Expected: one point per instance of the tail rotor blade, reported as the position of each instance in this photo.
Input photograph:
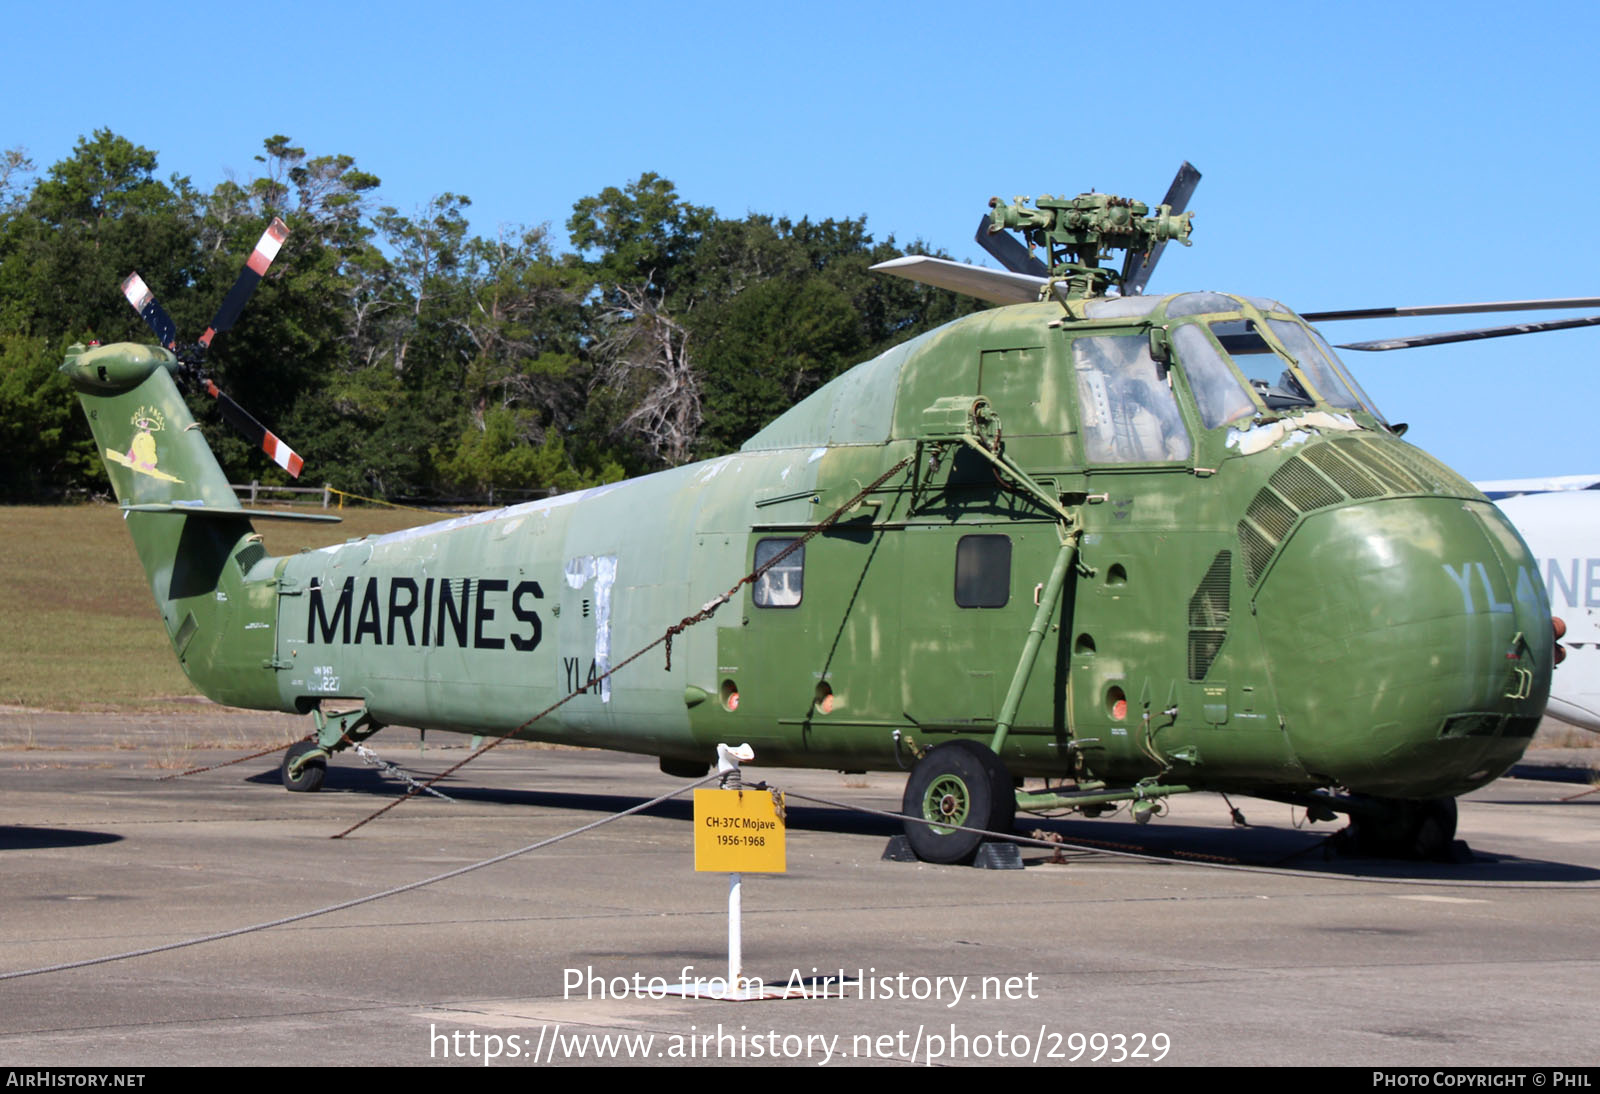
(255, 266)
(150, 310)
(1136, 272)
(256, 433)
(155, 316)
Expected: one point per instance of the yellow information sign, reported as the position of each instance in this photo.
(739, 832)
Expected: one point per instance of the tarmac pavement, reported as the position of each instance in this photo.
(1277, 955)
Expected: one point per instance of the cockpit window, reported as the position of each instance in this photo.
(1274, 382)
(1297, 340)
(1338, 365)
(1216, 389)
(1127, 409)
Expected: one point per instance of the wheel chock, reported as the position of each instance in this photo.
(998, 856)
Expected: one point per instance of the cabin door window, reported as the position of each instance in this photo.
(983, 571)
(783, 586)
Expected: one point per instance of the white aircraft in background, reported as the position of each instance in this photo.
(1560, 519)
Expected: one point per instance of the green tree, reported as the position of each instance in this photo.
(64, 249)
(769, 347)
(786, 306)
(45, 450)
(90, 220)
(296, 342)
(495, 459)
(642, 235)
(640, 244)
(522, 315)
(14, 167)
(404, 355)
(523, 318)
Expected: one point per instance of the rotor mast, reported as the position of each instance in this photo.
(1078, 233)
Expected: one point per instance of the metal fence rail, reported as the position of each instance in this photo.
(254, 489)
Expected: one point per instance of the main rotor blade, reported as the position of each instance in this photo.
(150, 310)
(249, 277)
(256, 433)
(1137, 270)
(1552, 304)
(1472, 335)
(995, 286)
(1005, 249)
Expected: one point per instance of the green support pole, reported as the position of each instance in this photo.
(1030, 652)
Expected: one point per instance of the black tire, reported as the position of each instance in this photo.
(312, 772)
(1416, 830)
(963, 783)
(684, 769)
(1435, 831)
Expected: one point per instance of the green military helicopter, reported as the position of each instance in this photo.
(1129, 545)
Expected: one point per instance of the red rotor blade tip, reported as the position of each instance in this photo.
(282, 455)
(267, 246)
(137, 292)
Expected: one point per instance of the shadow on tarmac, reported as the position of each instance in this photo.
(1287, 848)
(19, 838)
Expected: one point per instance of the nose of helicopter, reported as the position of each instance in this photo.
(1418, 640)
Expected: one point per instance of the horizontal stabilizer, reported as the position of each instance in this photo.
(231, 514)
(995, 286)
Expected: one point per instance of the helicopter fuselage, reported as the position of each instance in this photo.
(1268, 590)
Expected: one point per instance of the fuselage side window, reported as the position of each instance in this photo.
(1126, 406)
(983, 571)
(784, 584)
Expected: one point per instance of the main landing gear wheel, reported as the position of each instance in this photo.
(311, 772)
(1415, 830)
(959, 783)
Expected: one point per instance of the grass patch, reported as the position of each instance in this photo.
(79, 628)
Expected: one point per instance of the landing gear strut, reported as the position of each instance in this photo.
(957, 783)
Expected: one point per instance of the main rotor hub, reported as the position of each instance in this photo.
(1078, 233)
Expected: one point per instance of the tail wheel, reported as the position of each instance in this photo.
(959, 783)
(303, 776)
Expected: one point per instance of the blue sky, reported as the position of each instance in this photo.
(1354, 154)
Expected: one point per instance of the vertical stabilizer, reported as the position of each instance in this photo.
(193, 537)
(153, 451)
